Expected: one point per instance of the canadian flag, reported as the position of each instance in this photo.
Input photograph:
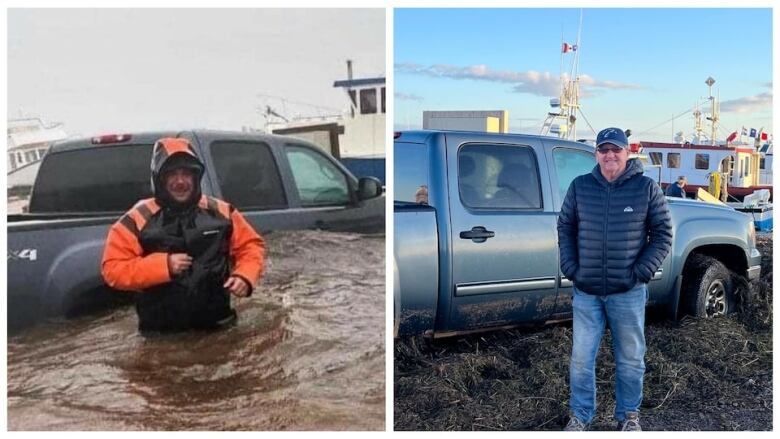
(566, 47)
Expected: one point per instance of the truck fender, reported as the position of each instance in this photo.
(73, 272)
(697, 238)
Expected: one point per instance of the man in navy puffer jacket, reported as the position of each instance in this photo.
(614, 231)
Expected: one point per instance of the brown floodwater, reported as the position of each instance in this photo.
(307, 354)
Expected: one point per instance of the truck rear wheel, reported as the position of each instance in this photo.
(708, 287)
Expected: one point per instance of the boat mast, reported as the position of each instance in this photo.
(698, 126)
(564, 109)
(714, 111)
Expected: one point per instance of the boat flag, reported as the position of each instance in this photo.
(744, 131)
(752, 132)
(731, 137)
(566, 47)
(764, 136)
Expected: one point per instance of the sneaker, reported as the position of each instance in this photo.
(575, 424)
(631, 423)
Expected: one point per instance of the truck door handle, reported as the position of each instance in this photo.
(477, 234)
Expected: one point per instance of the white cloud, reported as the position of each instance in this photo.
(407, 96)
(531, 81)
(748, 104)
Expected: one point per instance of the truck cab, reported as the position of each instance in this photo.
(475, 233)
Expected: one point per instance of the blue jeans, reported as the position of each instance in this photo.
(625, 313)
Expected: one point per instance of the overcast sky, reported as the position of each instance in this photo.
(111, 70)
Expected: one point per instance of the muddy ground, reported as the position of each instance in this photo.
(701, 374)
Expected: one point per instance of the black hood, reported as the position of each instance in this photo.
(171, 153)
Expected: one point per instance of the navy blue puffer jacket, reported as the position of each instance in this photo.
(613, 235)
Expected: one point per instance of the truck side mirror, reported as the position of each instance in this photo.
(369, 187)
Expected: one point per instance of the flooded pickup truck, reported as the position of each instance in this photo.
(84, 185)
(476, 244)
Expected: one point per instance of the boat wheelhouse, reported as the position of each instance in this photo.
(741, 164)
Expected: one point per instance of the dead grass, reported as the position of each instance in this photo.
(700, 374)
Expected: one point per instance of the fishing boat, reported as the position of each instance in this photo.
(742, 166)
(29, 139)
(745, 166)
(354, 135)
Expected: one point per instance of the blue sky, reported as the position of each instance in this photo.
(639, 67)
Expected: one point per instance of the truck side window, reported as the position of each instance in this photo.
(319, 181)
(106, 179)
(570, 163)
(498, 177)
(410, 173)
(248, 175)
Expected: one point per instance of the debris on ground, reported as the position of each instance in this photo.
(701, 374)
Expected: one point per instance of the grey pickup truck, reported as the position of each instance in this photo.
(475, 236)
(84, 185)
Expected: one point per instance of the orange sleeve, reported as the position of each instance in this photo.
(247, 249)
(125, 268)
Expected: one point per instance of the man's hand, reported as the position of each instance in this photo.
(178, 263)
(237, 286)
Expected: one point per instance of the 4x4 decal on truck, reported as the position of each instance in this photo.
(27, 253)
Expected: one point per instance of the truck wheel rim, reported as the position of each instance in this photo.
(716, 299)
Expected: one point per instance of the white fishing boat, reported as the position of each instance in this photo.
(29, 139)
(355, 135)
(745, 166)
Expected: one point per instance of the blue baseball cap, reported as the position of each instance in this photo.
(615, 136)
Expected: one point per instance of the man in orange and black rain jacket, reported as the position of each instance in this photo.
(185, 252)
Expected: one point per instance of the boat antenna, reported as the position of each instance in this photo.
(565, 108)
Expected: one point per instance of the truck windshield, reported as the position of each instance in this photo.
(103, 179)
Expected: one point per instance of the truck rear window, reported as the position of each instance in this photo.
(103, 179)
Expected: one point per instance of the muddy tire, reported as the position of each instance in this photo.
(708, 287)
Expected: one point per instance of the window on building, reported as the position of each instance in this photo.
(762, 163)
(383, 100)
(368, 101)
(673, 160)
(702, 161)
(656, 158)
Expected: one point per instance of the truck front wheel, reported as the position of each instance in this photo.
(708, 287)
